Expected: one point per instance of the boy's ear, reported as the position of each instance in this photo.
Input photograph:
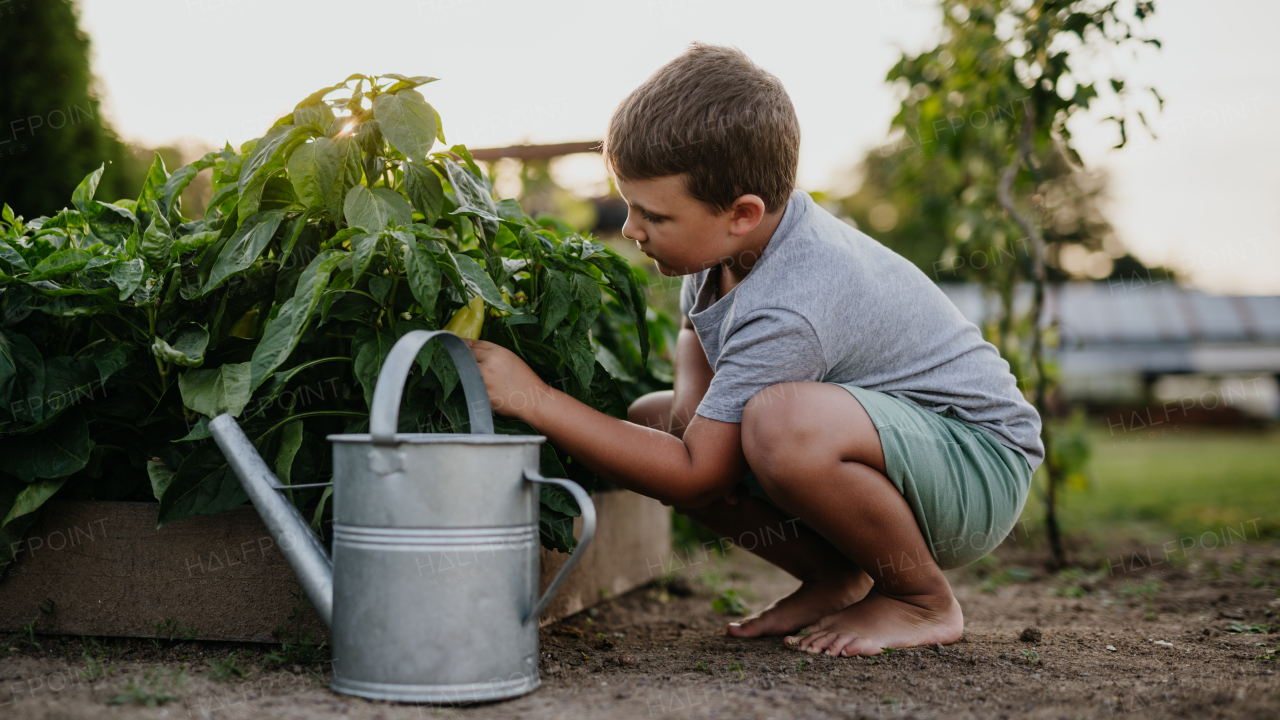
(745, 214)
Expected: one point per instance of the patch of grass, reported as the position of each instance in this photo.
(738, 669)
(297, 645)
(729, 603)
(167, 631)
(702, 667)
(156, 688)
(802, 665)
(1268, 653)
(1005, 576)
(1150, 587)
(1160, 487)
(1076, 582)
(227, 669)
(1032, 657)
(1248, 629)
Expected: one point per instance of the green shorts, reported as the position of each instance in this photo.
(964, 487)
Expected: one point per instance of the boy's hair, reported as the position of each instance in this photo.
(718, 117)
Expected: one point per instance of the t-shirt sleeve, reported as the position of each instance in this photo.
(769, 347)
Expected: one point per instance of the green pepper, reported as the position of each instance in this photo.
(469, 320)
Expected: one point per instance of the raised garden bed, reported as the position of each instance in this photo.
(109, 572)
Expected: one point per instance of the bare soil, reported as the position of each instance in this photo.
(1144, 640)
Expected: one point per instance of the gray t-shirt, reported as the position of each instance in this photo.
(827, 303)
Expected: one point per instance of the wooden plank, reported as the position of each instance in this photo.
(536, 152)
(221, 577)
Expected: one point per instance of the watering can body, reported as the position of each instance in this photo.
(432, 591)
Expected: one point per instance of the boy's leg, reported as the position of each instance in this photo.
(830, 581)
(817, 454)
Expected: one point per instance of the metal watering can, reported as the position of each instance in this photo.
(432, 591)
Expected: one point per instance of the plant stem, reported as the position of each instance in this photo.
(1053, 470)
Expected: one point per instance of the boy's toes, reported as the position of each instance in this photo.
(840, 643)
(816, 642)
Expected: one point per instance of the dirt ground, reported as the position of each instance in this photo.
(1149, 638)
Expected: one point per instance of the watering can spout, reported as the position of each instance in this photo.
(302, 548)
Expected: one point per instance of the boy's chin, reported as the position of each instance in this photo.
(669, 271)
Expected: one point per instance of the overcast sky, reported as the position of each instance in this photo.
(1204, 198)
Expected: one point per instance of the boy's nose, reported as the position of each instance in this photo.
(631, 230)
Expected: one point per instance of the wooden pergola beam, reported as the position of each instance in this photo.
(536, 152)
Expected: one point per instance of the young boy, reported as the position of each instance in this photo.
(819, 376)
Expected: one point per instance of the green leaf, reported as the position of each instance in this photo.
(110, 357)
(265, 150)
(251, 198)
(32, 497)
(152, 191)
(290, 442)
(350, 170)
(194, 241)
(424, 276)
(110, 224)
(181, 178)
(224, 389)
(244, 247)
(128, 276)
(408, 123)
(161, 477)
(281, 335)
(319, 514)
(362, 210)
(187, 349)
(64, 261)
(55, 452)
(556, 301)
(425, 191)
(203, 485)
(576, 352)
(83, 194)
(481, 284)
(587, 294)
(560, 500)
(156, 240)
(362, 249)
(317, 117)
(22, 366)
(370, 348)
(473, 196)
(313, 169)
(379, 286)
(400, 210)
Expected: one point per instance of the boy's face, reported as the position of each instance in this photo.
(680, 233)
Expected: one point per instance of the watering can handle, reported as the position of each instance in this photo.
(588, 531)
(384, 415)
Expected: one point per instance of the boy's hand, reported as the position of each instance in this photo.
(514, 388)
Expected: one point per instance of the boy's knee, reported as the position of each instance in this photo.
(774, 423)
(652, 410)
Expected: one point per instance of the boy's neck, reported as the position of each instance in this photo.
(734, 272)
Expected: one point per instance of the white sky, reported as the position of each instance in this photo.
(1204, 198)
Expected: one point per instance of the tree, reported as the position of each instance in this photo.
(53, 133)
(980, 180)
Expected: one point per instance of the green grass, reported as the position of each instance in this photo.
(1160, 487)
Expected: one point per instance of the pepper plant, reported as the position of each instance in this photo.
(125, 326)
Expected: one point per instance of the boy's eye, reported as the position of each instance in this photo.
(650, 218)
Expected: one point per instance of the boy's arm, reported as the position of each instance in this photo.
(693, 377)
(688, 471)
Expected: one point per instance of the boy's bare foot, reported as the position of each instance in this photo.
(813, 600)
(879, 621)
